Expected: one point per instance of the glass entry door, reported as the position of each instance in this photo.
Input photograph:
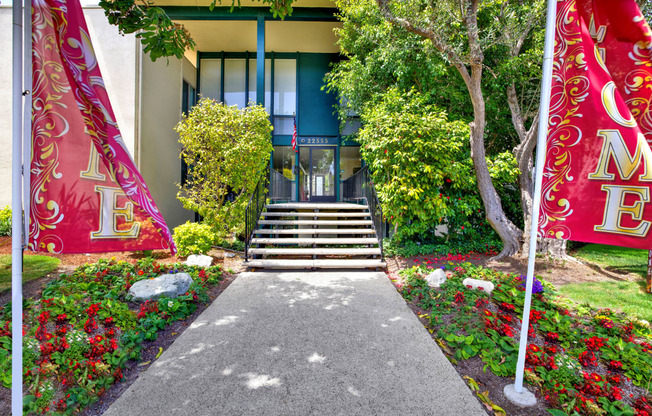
(316, 174)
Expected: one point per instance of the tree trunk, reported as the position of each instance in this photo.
(508, 232)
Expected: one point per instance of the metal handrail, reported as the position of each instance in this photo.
(360, 188)
(255, 208)
(280, 187)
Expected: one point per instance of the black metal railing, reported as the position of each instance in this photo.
(359, 188)
(255, 208)
(280, 187)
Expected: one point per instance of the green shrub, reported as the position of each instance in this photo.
(423, 173)
(193, 238)
(226, 149)
(5, 221)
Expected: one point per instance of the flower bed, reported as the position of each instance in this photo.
(581, 360)
(80, 334)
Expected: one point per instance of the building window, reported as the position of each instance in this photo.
(188, 100)
(285, 95)
(234, 82)
(350, 162)
(283, 160)
(210, 80)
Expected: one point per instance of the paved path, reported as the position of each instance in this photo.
(302, 343)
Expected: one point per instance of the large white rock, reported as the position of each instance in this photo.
(436, 278)
(476, 283)
(199, 260)
(170, 285)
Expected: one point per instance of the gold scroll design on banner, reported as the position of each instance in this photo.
(638, 84)
(569, 90)
(49, 125)
(99, 121)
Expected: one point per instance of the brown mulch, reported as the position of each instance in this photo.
(557, 272)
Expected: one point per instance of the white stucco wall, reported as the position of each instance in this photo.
(116, 55)
(158, 142)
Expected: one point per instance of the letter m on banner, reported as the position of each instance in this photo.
(86, 193)
(598, 170)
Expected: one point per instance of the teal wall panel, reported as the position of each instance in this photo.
(316, 115)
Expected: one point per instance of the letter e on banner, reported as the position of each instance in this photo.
(109, 213)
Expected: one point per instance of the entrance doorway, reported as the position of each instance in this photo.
(316, 174)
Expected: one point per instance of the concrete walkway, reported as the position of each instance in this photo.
(302, 343)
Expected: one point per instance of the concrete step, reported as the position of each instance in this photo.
(318, 264)
(316, 251)
(315, 222)
(316, 214)
(320, 206)
(300, 241)
(315, 231)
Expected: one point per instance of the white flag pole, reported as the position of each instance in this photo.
(27, 115)
(515, 392)
(17, 215)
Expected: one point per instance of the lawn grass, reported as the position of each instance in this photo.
(33, 268)
(632, 260)
(629, 297)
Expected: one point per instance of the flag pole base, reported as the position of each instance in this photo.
(523, 399)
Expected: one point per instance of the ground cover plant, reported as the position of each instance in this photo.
(33, 267)
(580, 360)
(83, 330)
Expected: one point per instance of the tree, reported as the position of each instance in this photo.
(521, 65)
(385, 63)
(444, 23)
(160, 36)
(227, 149)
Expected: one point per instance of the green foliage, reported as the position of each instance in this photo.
(193, 238)
(227, 149)
(160, 36)
(34, 266)
(5, 221)
(415, 106)
(422, 170)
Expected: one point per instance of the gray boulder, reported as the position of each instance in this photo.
(487, 286)
(170, 285)
(436, 278)
(199, 260)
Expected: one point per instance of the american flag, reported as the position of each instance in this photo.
(294, 136)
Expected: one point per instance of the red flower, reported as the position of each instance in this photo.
(90, 325)
(588, 359)
(43, 317)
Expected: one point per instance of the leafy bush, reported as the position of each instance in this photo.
(193, 238)
(422, 169)
(5, 221)
(226, 149)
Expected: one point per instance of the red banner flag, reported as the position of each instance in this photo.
(598, 170)
(86, 193)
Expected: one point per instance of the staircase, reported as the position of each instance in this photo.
(315, 235)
